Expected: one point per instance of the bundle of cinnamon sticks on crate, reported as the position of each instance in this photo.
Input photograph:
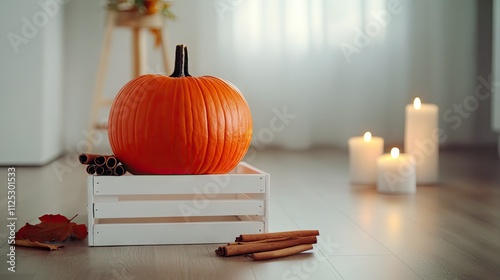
(102, 164)
(265, 246)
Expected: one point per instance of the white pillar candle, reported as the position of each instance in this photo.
(363, 154)
(396, 173)
(421, 140)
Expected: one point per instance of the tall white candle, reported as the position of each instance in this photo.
(421, 140)
(363, 154)
(396, 173)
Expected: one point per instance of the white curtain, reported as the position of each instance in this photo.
(336, 68)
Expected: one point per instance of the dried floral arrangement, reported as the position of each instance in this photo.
(146, 7)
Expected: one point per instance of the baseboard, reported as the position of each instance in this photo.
(31, 162)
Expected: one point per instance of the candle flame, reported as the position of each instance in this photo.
(367, 136)
(395, 152)
(417, 104)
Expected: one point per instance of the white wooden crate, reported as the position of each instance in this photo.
(177, 209)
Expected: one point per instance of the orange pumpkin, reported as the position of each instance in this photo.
(179, 124)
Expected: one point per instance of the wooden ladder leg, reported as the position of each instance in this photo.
(164, 52)
(139, 55)
(97, 97)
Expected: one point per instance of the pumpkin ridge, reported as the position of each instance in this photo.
(201, 167)
(229, 128)
(188, 125)
(154, 111)
(208, 102)
(223, 97)
(184, 103)
(197, 129)
(246, 136)
(126, 97)
(135, 126)
(133, 95)
(143, 96)
(229, 145)
(239, 116)
(173, 131)
(237, 152)
(181, 129)
(119, 116)
(220, 136)
(167, 109)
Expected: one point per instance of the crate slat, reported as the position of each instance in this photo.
(171, 184)
(175, 233)
(178, 208)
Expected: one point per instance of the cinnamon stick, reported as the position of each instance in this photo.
(100, 170)
(274, 235)
(280, 253)
(100, 160)
(111, 162)
(87, 158)
(119, 170)
(232, 250)
(90, 169)
(259, 241)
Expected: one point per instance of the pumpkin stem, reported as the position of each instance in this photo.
(181, 62)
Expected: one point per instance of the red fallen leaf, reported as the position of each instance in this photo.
(27, 243)
(52, 228)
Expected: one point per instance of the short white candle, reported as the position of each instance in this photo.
(363, 154)
(396, 173)
(421, 140)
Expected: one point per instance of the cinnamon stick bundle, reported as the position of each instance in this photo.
(102, 164)
(232, 250)
(264, 246)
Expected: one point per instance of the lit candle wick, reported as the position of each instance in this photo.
(395, 152)
(417, 103)
(368, 136)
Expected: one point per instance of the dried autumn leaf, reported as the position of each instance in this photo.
(52, 228)
(27, 243)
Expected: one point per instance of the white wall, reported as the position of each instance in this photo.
(30, 82)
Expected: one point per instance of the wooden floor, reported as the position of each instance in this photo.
(449, 231)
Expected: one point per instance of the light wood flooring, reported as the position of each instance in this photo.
(448, 231)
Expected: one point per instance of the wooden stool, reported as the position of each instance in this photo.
(136, 22)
